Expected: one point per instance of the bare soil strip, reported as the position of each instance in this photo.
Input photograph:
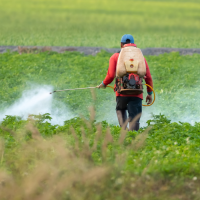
(95, 50)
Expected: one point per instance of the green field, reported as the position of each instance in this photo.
(89, 157)
(176, 82)
(100, 23)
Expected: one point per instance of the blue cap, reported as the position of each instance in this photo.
(127, 36)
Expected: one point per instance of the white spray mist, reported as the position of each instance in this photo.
(180, 106)
(38, 101)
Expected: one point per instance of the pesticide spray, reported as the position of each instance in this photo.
(38, 101)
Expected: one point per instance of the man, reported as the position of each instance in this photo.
(130, 102)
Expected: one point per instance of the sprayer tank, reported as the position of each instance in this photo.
(131, 60)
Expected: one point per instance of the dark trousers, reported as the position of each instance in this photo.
(134, 107)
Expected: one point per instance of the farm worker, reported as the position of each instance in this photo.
(130, 102)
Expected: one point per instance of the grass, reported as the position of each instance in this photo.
(100, 23)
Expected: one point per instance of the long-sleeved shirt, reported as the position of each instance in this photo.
(112, 74)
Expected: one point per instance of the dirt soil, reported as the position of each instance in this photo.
(95, 50)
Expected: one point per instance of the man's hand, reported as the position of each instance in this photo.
(101, 86)
(149, 99)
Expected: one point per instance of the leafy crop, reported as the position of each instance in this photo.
(100, 23)
(85, 158)
(170, 148)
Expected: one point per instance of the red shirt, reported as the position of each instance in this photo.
(112, 74)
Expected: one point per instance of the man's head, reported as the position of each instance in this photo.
(126, 39)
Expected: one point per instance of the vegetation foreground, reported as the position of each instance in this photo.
(88, 160)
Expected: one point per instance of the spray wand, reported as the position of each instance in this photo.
(72, 89)
(106, 86)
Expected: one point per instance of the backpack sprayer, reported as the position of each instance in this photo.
(106, 86)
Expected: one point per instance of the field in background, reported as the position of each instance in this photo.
(176, 82)
(100, 23)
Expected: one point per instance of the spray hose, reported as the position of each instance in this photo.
(109, 87)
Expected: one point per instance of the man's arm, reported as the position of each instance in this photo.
(111, 71)
(148, 81)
